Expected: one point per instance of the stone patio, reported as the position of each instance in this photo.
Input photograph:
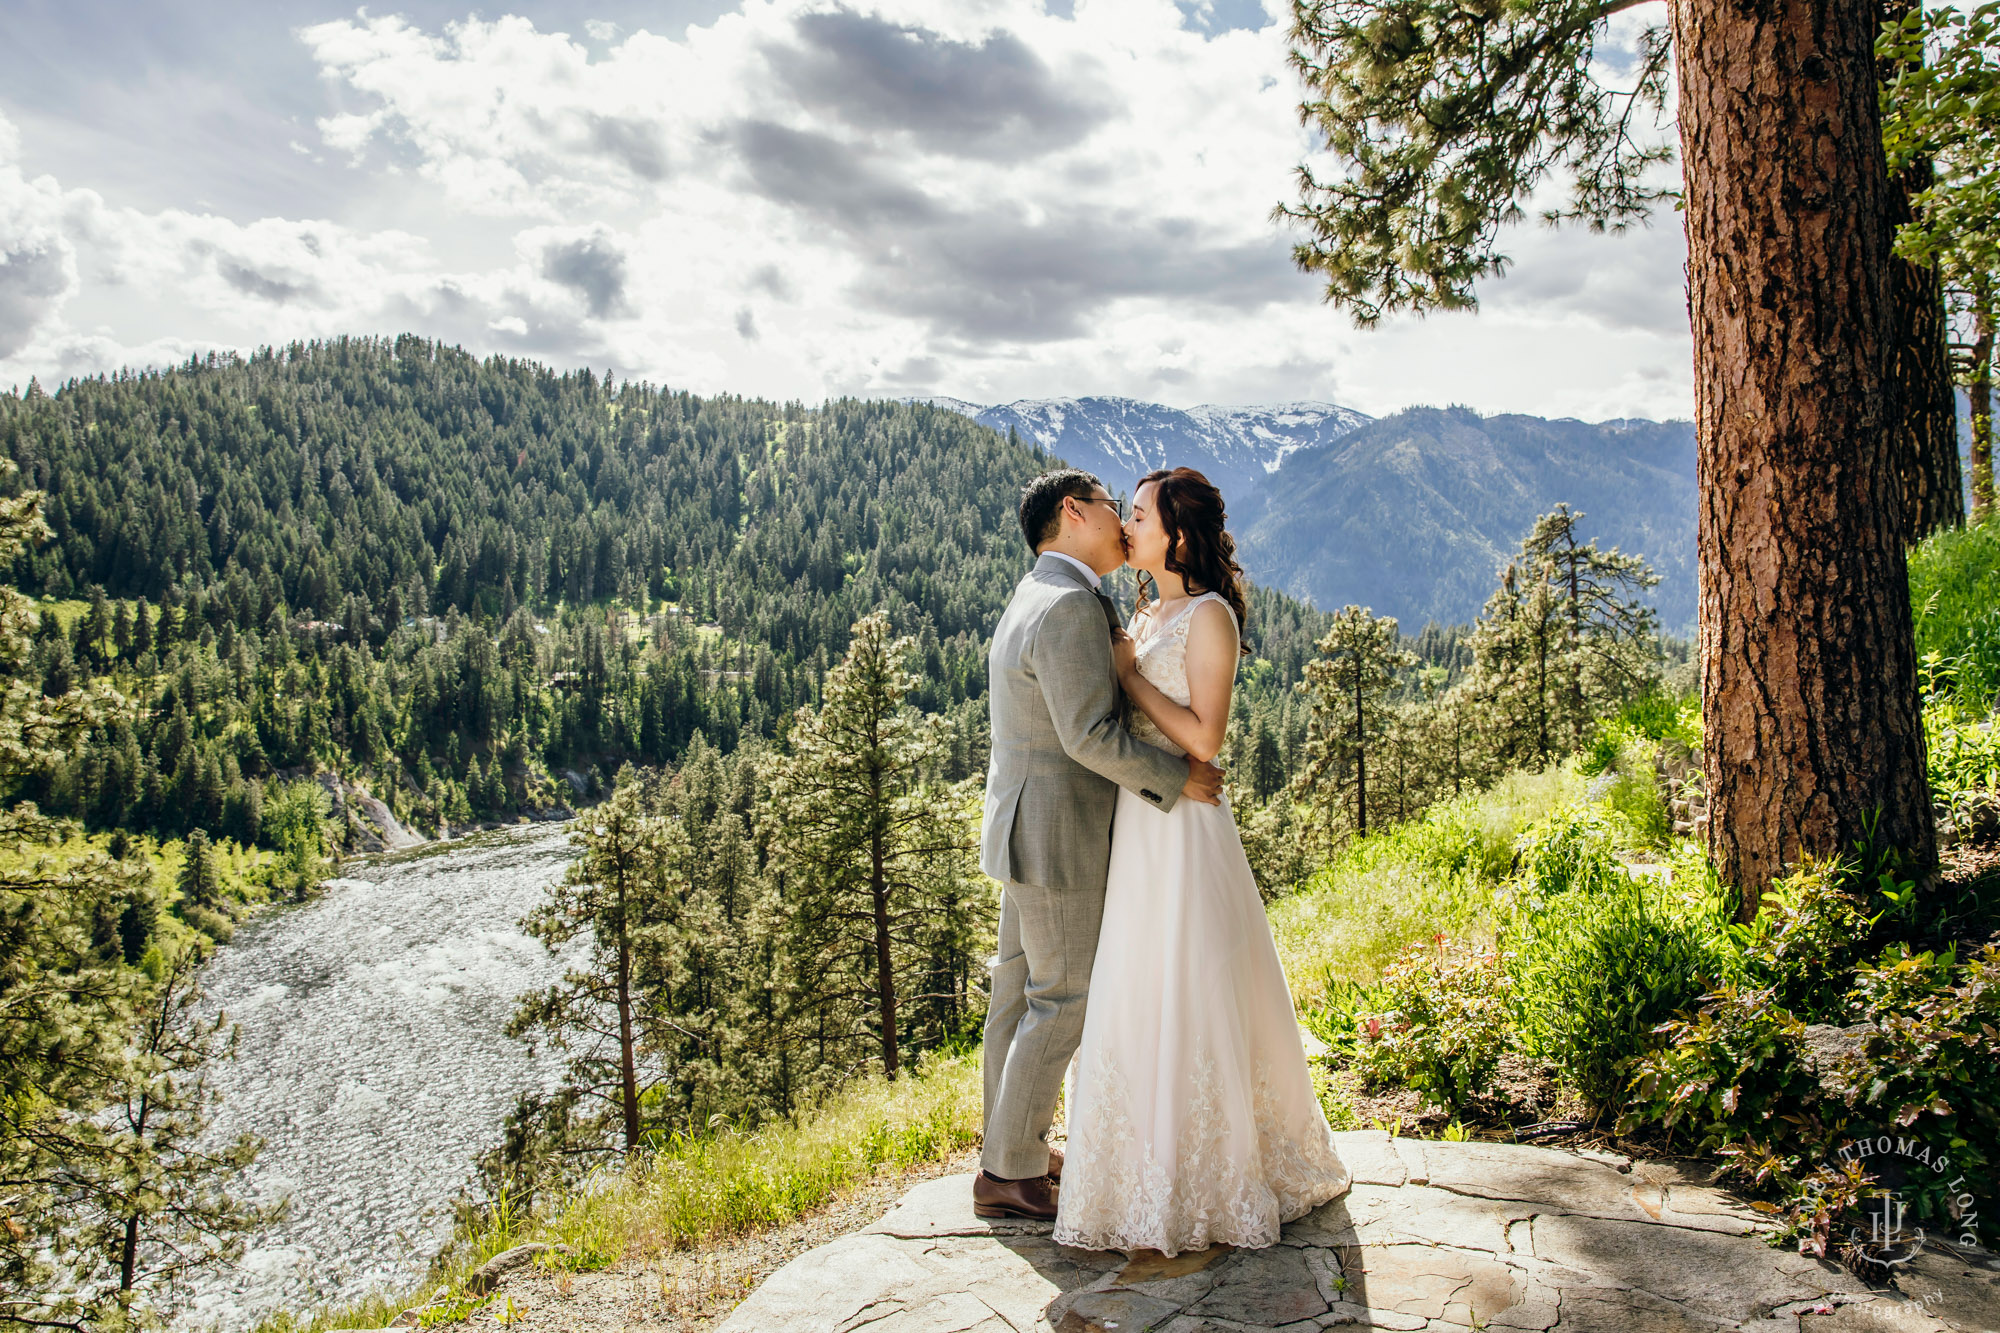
(1433, 1235)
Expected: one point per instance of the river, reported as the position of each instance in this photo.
(374, 1062)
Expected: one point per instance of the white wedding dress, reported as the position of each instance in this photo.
(1192, 1119)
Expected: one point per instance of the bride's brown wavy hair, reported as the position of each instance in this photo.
(1199, 547)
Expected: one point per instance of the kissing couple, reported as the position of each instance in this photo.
(1132, 935)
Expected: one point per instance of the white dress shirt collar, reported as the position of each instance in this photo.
(1089, 574)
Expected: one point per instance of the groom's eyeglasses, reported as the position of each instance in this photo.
(1117, 506)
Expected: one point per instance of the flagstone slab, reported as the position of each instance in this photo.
(1433, 1237)
(1573, 1184)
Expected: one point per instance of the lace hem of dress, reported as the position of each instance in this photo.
(1117, 1195)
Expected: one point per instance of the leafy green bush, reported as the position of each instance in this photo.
(1570, 851)
(1334, 1101)
(1445, 1024)
(1725, 1070)
(295, 823)
(1655, 716)
(1923, 1070)
(1932, 1066)
(1808, 935)
(1634, 796)
(1962, 748)
(1599, 969)
(1336, 1018)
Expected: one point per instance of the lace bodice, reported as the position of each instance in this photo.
(1163, 661)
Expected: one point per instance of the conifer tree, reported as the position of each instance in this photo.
(1565, 638)
(199, 883)
(882, 894)
(151, 1192)
(1267, 764)
(1943, 106)
(611, 896)
(1358, 662)
(66, 993)
(1608, 629)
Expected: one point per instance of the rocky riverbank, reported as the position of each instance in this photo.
(368, 826)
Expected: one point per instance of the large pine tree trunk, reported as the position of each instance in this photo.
(1922, 405)
(1809, 699)
(1925, 411)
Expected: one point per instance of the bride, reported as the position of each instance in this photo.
(1192, 1120)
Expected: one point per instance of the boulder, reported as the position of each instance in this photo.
(487, 1276)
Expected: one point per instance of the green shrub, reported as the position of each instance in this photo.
(1925, 1072)
(1336, 1018)
(1334, 1102)
(1453, 839)
(1931, 1067)
(1807, 937)
(1724, 1071)
(1599, 970)
(1962, 749)
(1661, 716)
(1570, 851)
(1444, 1024)
(1602, 752)
(1633, 796)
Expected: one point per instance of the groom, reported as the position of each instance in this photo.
(1060, 753)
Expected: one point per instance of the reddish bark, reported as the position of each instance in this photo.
(1809, 699)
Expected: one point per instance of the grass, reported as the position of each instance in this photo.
(1955, 594)
(1391, 889)
(699, 1189)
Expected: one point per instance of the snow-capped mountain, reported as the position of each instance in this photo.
(1121, 439)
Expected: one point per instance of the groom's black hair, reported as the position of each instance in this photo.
(1041, 502)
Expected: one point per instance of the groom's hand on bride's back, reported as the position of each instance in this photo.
(1204, 782)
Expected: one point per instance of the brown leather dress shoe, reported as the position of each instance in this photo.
(1055, 1165)
(1033, 1199)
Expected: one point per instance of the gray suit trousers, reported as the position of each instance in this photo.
(1041, 979)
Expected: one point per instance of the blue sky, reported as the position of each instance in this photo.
(991, 199)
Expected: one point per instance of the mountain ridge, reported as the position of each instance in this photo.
(1413, 513)
(1121, 439)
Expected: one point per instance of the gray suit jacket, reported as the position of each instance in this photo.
(1059, 751)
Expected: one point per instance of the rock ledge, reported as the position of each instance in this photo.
(1434, 1236)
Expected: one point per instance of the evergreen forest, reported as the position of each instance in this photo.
(460, 583)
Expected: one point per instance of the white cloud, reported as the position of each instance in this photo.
(803, 198)
(37, 261)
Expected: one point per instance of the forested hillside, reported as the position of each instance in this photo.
(1414, 514)
(454, 578)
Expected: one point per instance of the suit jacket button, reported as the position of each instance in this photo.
(1150, 795)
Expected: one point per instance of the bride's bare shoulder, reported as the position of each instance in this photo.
(1215, 615)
